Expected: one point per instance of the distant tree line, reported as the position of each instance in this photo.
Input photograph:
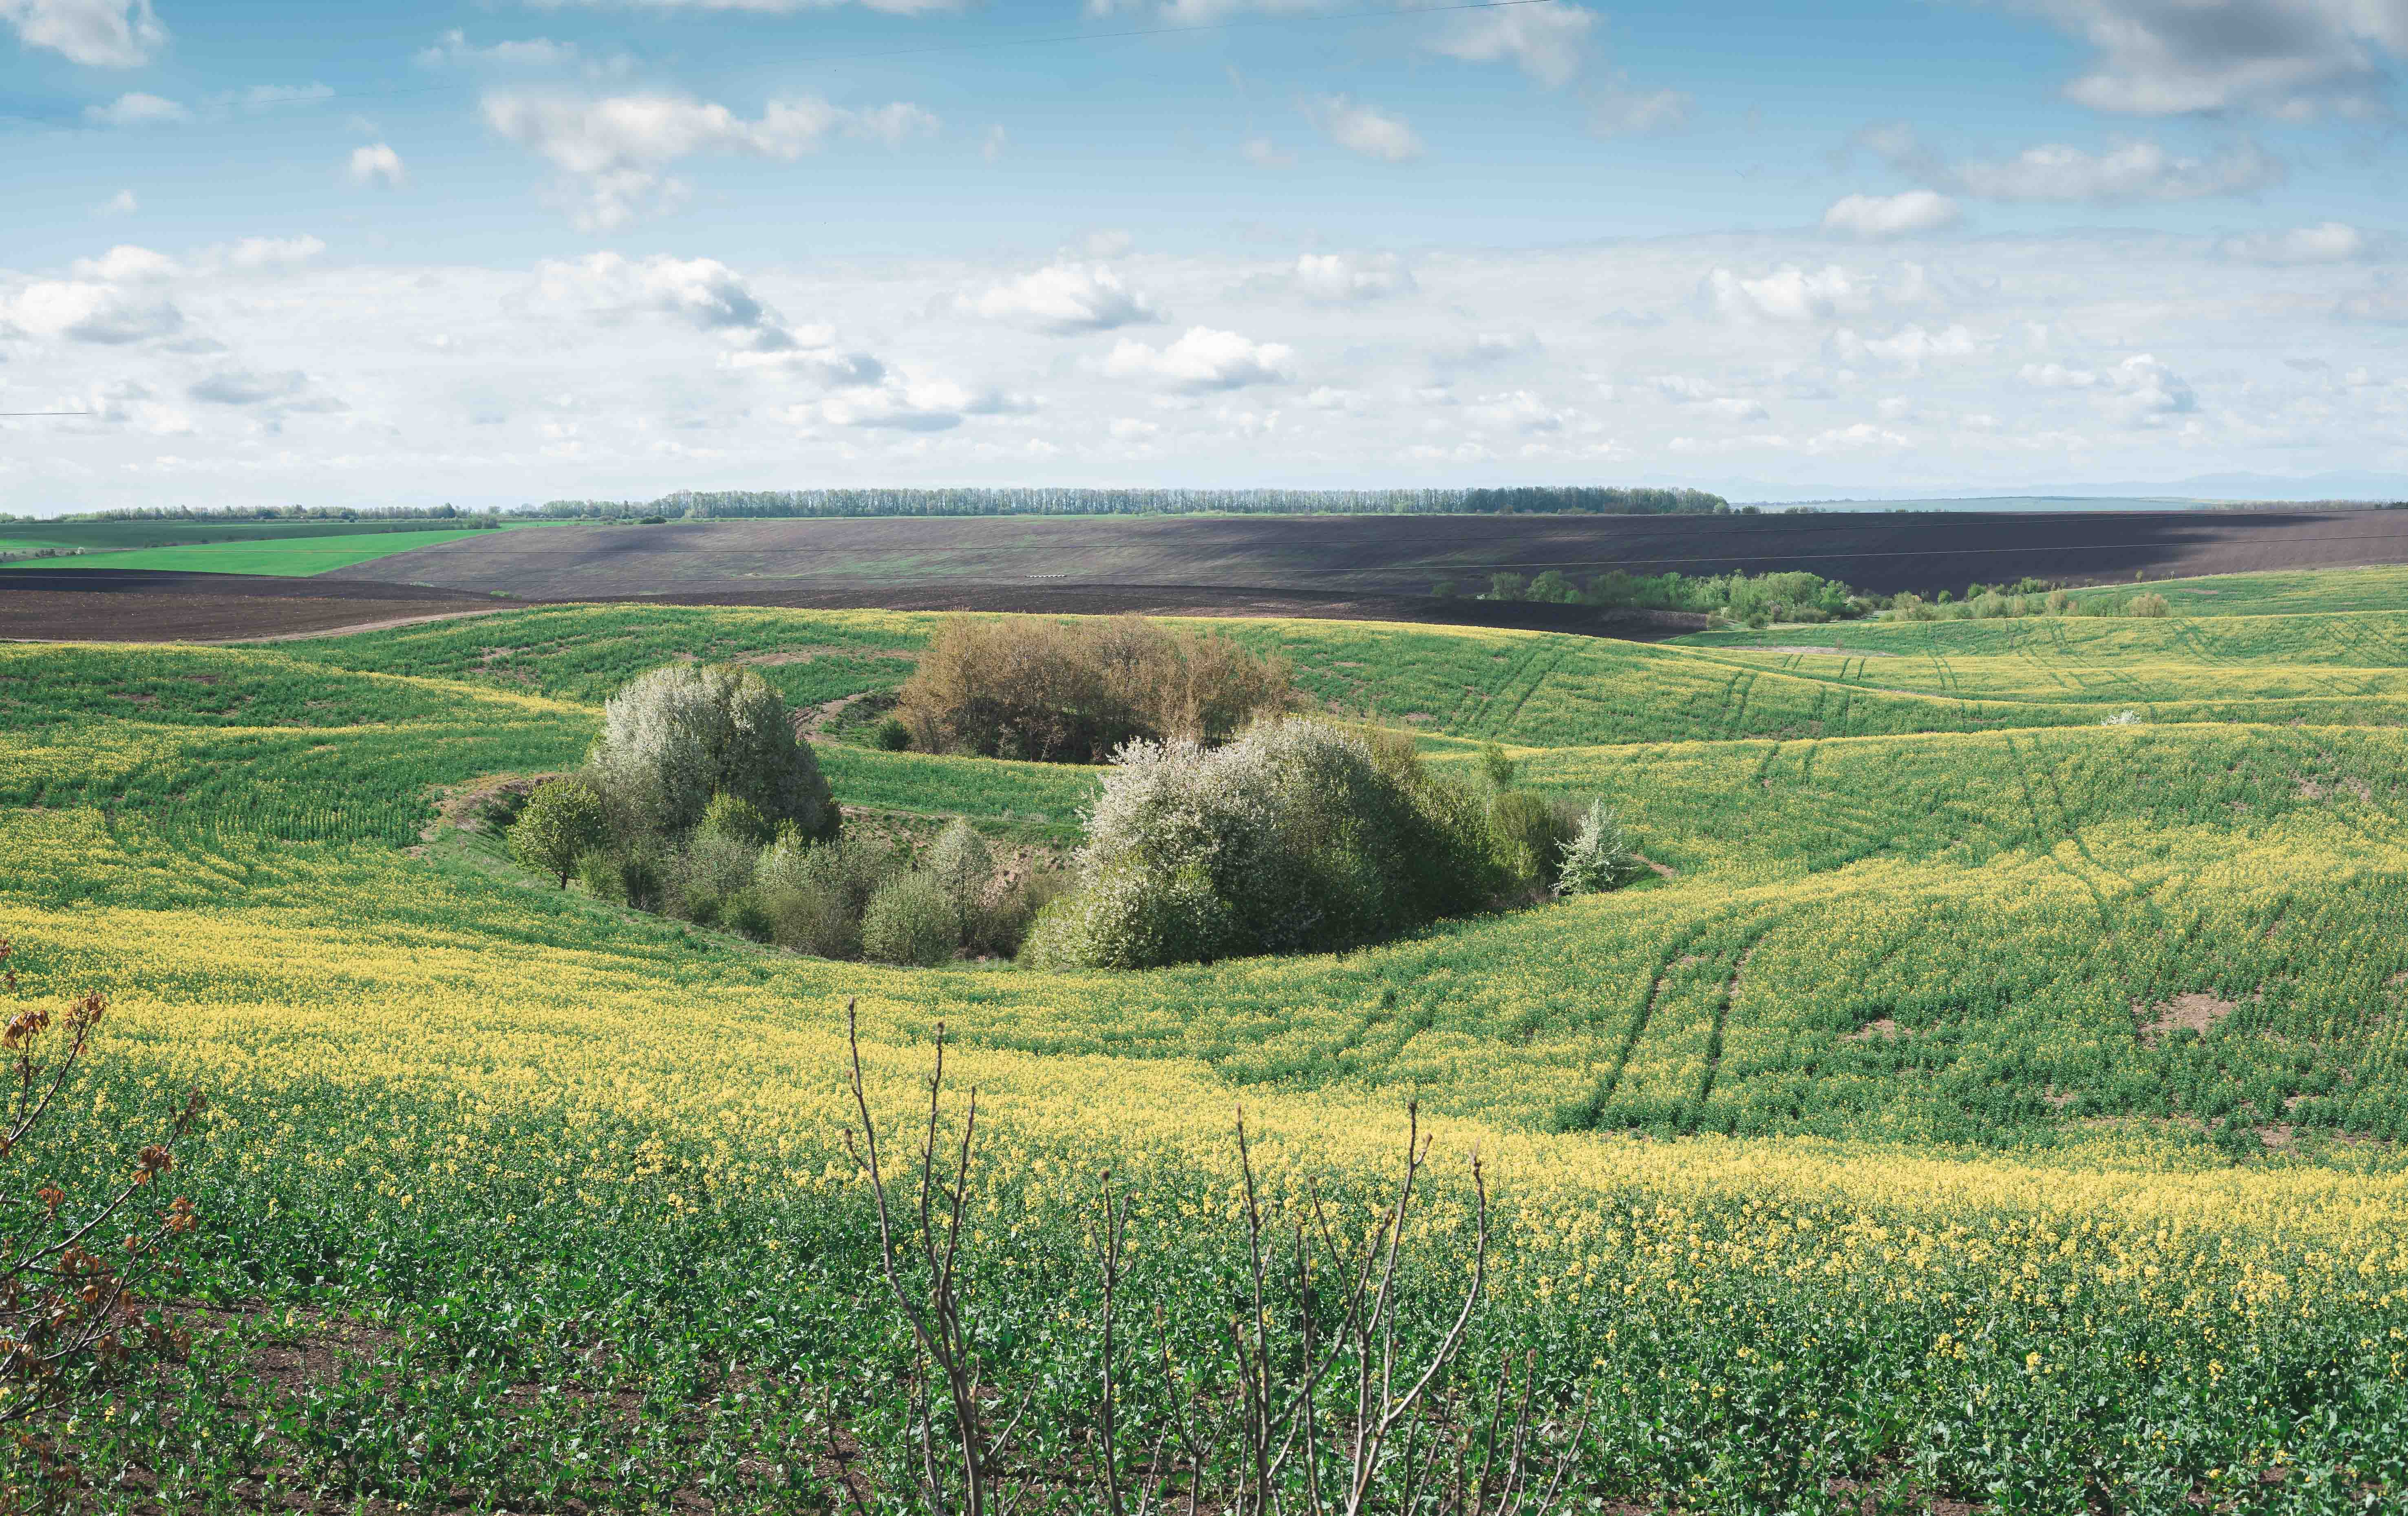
(279, 512)
(1535, 499)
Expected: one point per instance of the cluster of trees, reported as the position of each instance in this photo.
(283, 512)
(703, 504)
(1983, 603)
(697, 800)
(1074, 692)
(1755, 599)
(1306, 836)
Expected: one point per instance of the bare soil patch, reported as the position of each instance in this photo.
(1800, 647)
(2197, 1011)
(131, 606)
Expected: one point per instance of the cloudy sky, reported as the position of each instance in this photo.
(517, 250)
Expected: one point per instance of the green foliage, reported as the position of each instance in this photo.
(1495, 766)
(1529, 833)
(563, 819)
(738, 819)
(911, 920)
(963, 869)
(893, 736)
(678, 737)
(2145, 604)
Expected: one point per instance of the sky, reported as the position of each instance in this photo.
(506, 251)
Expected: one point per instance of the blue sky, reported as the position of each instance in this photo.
(510, 251)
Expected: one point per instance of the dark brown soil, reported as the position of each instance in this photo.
(1212, 557)
(130, 606)
(1353, 568)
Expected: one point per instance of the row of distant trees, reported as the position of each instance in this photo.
(1597, 500)
(279, 512)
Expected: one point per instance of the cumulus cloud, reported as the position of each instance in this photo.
(2130, 172)
(375, 164)
(83, 311)
(614, 150)
(1788, 292)
(98, 34)
(1882, 217)
(291, 389)
(1547, 42)
(1202, 360)
(708, 296)
(137, 109)
(1363, 129)
(2331, 241)
(1619, 110)
(2138, 392)
(254, 254)
(916, 402)
(453, 47)
(1063, 299)
(1910, 347)
(1335, 279)
(2292, 58)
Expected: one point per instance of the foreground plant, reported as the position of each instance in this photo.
(70, 1286)
(1328, 1410)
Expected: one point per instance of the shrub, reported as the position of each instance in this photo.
(964, 870)
(674, 738)
(1003, 927)
(1529, 833)
(2148, 604)
(706, 874)
(2059, 602)
(1496, 766)
(1599, 858)
(1073, 692)
(893, 735)
(1301, 835)
(1128, 918)
(1913, 608)
(910, 920)
(563, 818)
(737, 819)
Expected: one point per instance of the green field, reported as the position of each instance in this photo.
(1981, 1102)
(287, 555)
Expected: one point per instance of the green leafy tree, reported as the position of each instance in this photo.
(676, 736)
(563, 819)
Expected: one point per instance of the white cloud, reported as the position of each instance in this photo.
(99, 34)
(2138, 392)
(1858, 438)
(84, 312)
(1788, 292)
(254, 254)
(453, 47)
(1130, 430)
(1202, 360)
(1264, 154)
(2128, 173)
(915, 402)
(1619, 110)
(993, 146)
(1063, 299)
(614, 150)
(2383, 302)
(2331, 241)
(1547, 42)
(137, 109)
(708, 296)
(291, 389)
(121, 204)
(2293, 58)
(375, 164)
(1335, 279)
(1881, 217)
(126, 264)
(1909, 347)
(1364, 129)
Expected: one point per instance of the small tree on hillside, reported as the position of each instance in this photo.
(1599, 858)
(674, 738)
(563, 819)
